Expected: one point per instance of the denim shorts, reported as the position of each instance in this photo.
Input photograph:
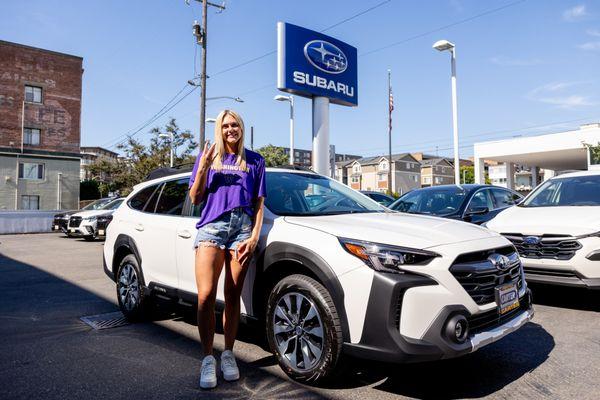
(227, 231)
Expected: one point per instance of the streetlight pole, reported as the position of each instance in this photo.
(291, 100)
(443, 45)
(171, 140)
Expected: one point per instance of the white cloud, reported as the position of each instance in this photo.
(575, 14)
(514, 62)
(555, 93)
(593, 32)
(590, 46)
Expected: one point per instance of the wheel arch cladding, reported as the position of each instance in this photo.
(125, 245)
(297, 259)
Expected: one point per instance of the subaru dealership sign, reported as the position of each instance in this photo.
(312, 64)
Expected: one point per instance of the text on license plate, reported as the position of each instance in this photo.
(507, 297)
(101, 232)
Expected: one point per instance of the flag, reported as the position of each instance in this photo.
(391, 100)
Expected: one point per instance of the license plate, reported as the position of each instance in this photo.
(72, 230)
(101, 232)
(55, 227)
(507, 297)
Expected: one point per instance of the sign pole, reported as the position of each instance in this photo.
(320, 125)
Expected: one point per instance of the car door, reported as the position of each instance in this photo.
(503, 198)
(159, 233)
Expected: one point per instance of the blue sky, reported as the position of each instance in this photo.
(524, 67)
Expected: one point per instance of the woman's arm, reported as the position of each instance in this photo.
(246, 248)
(199, 185)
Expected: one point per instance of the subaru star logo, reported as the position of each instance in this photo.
(531, 240)
(499, 261)
(325, 56)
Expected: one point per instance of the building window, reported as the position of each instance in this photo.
(31, 171)
(438, 180)
(382, 177)
(408, 165)
(355, 179)
(31, 136)
(356, 168)
(30, 202)
(426, 179)
(383, 166)
(33, 94)
(415, 178)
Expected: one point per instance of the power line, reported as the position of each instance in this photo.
(462, 21)
(356, 15)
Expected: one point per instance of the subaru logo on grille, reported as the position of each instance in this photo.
(531, 240)
(499, 261)
(325, 56)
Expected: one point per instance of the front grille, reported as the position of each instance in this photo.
(491, 319)
(556, 247)
(479, 277)
(74, 222)
(550, 272)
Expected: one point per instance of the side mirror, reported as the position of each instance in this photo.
(478, 211)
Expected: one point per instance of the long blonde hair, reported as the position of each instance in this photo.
(240, 161)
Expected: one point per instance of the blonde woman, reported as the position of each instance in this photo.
(231, 181)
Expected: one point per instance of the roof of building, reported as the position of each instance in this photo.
(435, 161)
(377, 159)
(91, 149)
(38, 49)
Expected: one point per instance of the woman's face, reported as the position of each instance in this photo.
(231, 130)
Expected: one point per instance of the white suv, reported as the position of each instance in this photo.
(83, 224)
(334, 273)
(556, 230)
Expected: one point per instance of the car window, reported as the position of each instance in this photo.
(312, 194)
(381, 199)
(172, 197)
(505, 198)
(138, 201)
(113, 205)
(431, 201)
(481, 198)
(570, 191)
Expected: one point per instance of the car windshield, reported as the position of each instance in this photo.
(561, 192)
(441, 201)
(113, 204)
(311, 194)
(97, 205)
(380, 198)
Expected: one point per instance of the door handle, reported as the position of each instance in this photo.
(139, 227)
(184, 234)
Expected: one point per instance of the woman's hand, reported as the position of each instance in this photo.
(207, 156)
(246, 249)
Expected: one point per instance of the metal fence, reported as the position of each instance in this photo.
(25, 221)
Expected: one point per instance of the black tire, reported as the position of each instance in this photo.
(134, 302)
(90, 238)
(301, 336)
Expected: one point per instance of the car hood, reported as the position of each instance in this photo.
(93, 213)
(549, 220)
(400, 229)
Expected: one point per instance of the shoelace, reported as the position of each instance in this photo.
(209, 368)
(229, 362)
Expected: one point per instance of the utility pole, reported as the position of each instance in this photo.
(390, 108)
(252, 138)
(200, 32)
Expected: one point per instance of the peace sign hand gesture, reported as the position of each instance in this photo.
(207, 155)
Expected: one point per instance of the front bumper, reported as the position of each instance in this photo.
(83, 230)
(382, 339)
(59, 224)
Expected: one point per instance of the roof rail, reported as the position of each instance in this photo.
(167, 171)
(295, 168)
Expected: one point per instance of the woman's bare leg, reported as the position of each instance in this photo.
(209, 264)
(234, 282)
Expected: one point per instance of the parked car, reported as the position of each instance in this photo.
(101, 224)
(61, 220)
(344, 275)
(556, 230)
(84, 224)
(470, 203)
(381, 198)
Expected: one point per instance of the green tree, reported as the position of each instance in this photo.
(594, 152)
(140, 159)
(467, 175)
(274, 155)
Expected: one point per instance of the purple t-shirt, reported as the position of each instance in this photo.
(231, 188)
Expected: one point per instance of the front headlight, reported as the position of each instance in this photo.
(91, 219)
(386, 258)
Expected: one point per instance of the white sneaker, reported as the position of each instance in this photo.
(229, 366)
(208, 373)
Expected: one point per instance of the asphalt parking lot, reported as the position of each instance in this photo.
(48, 282)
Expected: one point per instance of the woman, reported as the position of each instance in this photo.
(231, 181)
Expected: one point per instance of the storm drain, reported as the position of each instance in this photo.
(106, 321)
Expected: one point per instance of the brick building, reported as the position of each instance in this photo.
(40, 112)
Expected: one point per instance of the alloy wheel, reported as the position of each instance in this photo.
(298, 331)
(129, 288)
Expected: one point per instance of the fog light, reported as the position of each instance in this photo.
(594, 255)
(457, 329)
